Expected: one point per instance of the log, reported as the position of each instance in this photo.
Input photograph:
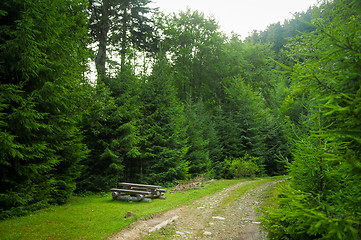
(139, 197)
(132, 199)
(115, 195)
(127, 191)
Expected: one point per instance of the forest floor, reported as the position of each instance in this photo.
(227, 214)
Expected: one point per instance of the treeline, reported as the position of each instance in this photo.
(173, 98)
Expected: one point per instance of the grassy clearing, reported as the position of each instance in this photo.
(95, 217)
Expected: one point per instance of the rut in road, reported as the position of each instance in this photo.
(211, 217)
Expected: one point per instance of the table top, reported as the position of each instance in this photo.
(138, 185)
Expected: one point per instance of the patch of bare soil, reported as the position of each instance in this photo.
(207, 218)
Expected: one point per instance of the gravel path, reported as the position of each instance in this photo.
(211, 217)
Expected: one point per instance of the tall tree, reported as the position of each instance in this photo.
(276, 34)
(194, 43)
(43, 52)
(198, 139)
(111, 133)
(119, 25)
(103, 167)
(240, 109)
(163, 141)
(251, 62)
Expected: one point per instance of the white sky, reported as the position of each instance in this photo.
(239, 16)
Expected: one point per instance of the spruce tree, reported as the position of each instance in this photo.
(111, 133)
(43, 51)
(322, 200)
(197, 133)
(163, 141)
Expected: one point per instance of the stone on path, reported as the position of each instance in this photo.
(163, 224)
(207, 233)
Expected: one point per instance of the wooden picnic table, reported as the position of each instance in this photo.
(137, 192)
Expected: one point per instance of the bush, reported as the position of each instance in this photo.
(241, 167)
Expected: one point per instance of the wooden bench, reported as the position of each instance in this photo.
(137, 192)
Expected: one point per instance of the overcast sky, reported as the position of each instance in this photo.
(240, 16)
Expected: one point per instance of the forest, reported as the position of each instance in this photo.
(172, 97)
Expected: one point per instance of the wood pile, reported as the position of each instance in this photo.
(195, 183)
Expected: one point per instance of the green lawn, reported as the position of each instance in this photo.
(95, 217)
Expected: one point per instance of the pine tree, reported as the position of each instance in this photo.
(163, 142)
(102, 168)
(197, 133)
(242, 133)
(111, 128)
(322, 201)
(43, 48)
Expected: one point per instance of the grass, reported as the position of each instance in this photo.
(164, 233)
(271, 200)
(96, 216)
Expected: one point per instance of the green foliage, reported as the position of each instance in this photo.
(126, 87)
(163, 141)
(42, 52)
(111, 133)
(277, 34)
(118, 25)
(195, 44)
(248, 126)
(22, 165)
(208, 101)
(322, 202)
(234, 82)
(246, 166)
(98, 131)
(301, 215)
(198, 152)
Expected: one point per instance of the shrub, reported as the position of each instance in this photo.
(241, 167)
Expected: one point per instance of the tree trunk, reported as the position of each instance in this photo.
(100, 59)
(123, 49)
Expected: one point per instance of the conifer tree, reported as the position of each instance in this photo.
(111, 130)
(197, 133)
(103, 167)
(241, 132)
(43, 50)
(322, 200)
(163, 141)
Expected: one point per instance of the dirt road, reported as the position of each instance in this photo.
(211, 217)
